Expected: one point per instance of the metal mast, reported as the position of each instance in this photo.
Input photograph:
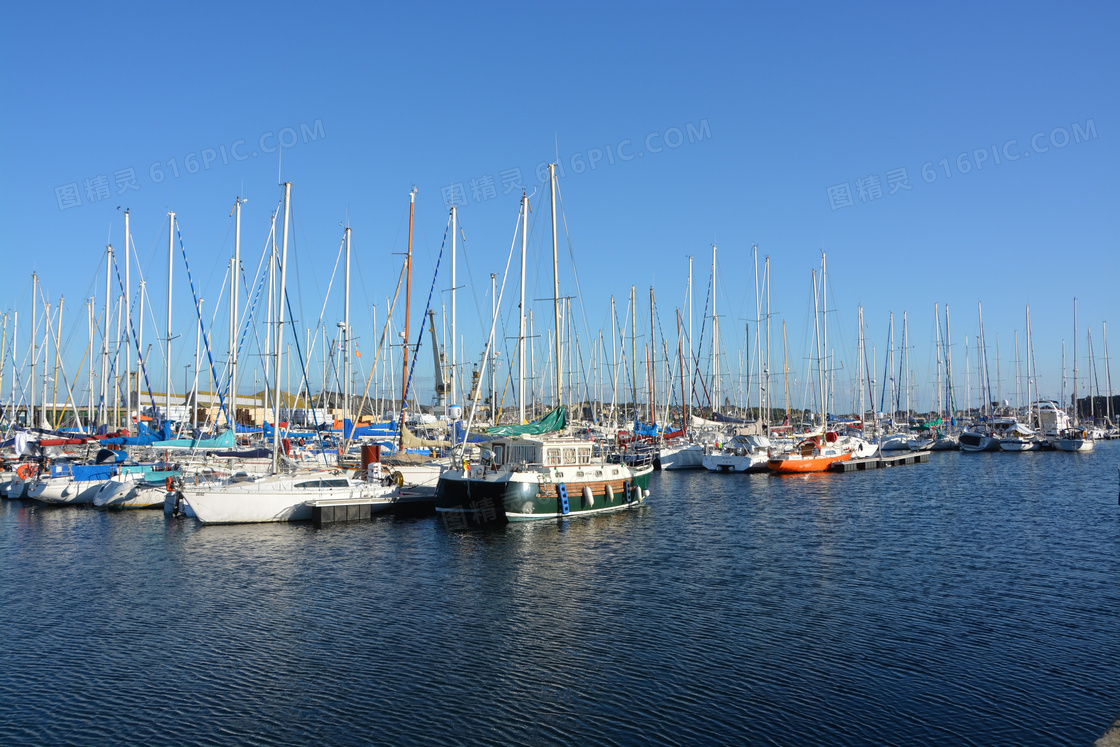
(407, 303)
(346, 335)
(555, 284)
(127, 330)
(104, 409)
(167, 349)
(521, 312)
(277, 348)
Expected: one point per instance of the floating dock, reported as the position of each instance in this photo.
(857, 465)
(339, 511)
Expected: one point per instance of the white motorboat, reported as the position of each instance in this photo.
(740, 454)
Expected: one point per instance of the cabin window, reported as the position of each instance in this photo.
(585, 455)
(499, 453)
(569, 456)
(553, 456)
(308, 484)
(338, 483)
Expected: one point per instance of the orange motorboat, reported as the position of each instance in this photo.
(811, 455)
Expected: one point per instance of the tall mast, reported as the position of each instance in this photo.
(46, 351)
(454, 382)
(140, 347)
(906, 360)
(715, 339)
(614, 355)
(785, 367)
(14, 348)
(766, 371)
(104, 409)
(197, 353)
(691, 359)
(532, 367)
(127, 329)
(89, 371)
(1107, 371)
(949, 365)
(493, 324)
(407, 303)
(34, 324)
(1027, 350)
(1076, 414)
(234, 287)
(277, 349)
(346, 335)
(757, 337)
(653, 363)
(57, 363)
(634, 350)
(937, 328)
(555, 284)
(859, 365)
(521, 312)
(817, 335)
(824, 328)
(167, 349)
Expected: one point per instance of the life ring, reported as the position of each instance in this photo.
(25, 471)
(398, 478)
(169, 483)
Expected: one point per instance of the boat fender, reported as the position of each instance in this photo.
(645, 493)
(637, 493)
(588, 497)
(610, 493)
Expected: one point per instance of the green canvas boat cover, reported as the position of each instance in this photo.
(553, 421)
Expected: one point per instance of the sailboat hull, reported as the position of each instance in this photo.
(798, 464)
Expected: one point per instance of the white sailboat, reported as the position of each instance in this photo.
(1074, 437)
(279, 496)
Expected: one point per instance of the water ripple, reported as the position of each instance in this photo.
(968, 601)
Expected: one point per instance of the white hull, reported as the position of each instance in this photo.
(273, 499)
(129, 494)
(690, 456)
(64, 490)
(16, 489)
(1073, 444)
(894, 442)
(735, 462)
(1017, 444)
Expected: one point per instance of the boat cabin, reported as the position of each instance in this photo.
(522, 452)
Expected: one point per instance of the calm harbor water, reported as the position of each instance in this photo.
(971, 600)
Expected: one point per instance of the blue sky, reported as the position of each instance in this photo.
(784, 106)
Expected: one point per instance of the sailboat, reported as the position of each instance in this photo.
(540, 470)
(818, 451)
(280, 495)
(1074, 437)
